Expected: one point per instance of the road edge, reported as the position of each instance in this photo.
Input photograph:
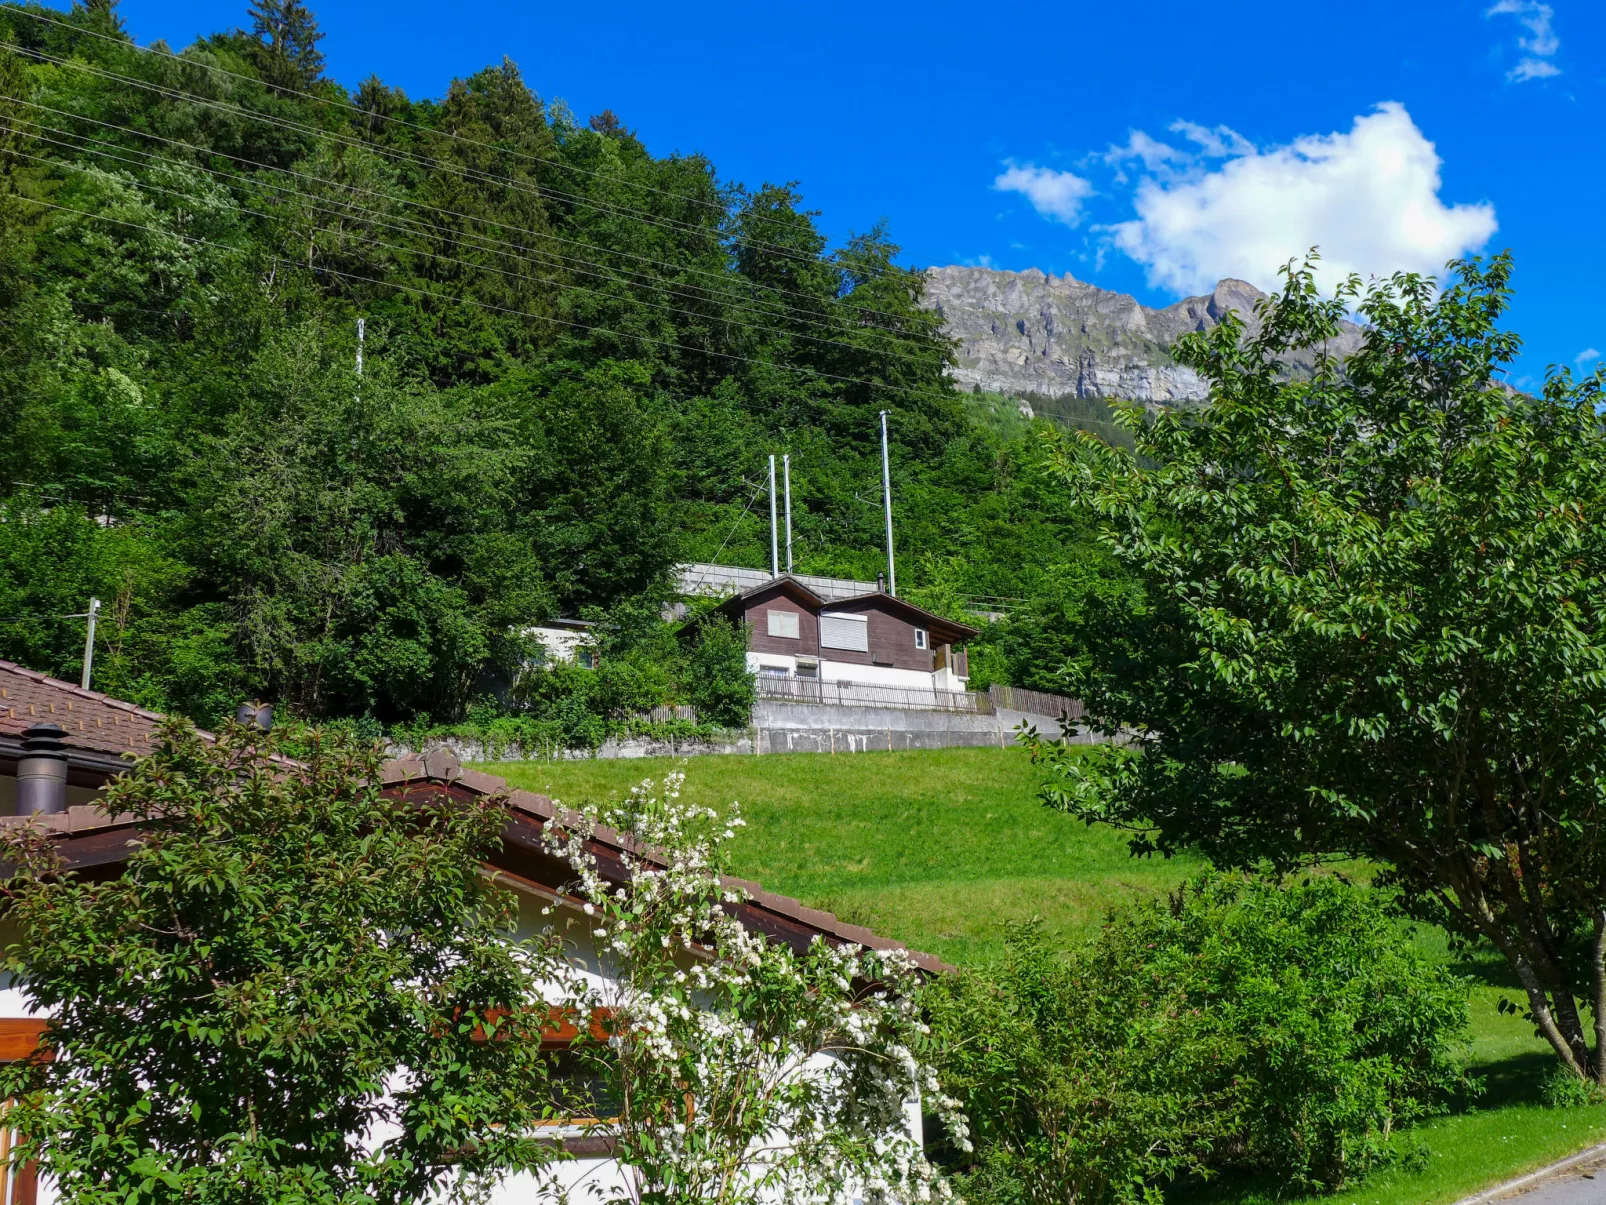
(1544, 1173)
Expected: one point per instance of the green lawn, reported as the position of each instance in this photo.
(939, 848)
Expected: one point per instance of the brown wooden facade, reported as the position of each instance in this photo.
(893, 625)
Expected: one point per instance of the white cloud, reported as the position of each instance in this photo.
(1586, 356)
(1539, 46)
(1056, 195)
(1151, 152)
(1219, 143)
(1368, 198)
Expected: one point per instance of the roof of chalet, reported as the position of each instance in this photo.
(104, 732)
(946, 631)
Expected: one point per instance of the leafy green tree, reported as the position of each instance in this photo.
(1372, 624)
(298, 989)
(364, 535)
(718, 682)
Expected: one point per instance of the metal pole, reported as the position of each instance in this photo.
(361, 330)
(775, 537)
(89, 641)
(786, 470)
(886, 494)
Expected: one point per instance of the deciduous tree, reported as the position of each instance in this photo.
(1372, 623)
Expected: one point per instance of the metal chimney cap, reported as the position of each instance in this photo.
(45, 740)
(255, 715)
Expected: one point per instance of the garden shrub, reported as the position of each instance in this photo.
(718, 682)
(1239, 1024)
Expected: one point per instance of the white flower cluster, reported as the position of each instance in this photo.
(740, 1068)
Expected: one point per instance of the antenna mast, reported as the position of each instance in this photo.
(886, 495)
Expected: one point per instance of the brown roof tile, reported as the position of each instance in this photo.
(90, 719)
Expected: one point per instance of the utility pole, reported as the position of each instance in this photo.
(886, 494)
(775, 537)
(89, 640)
(362, 324)
(786, 469)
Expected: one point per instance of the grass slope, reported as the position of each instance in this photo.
(939, 848)
(934, 848)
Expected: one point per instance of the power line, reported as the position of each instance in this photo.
(725, 278)
(435, 255)
(744, 513)
(130, 44)
(484, 305)
(476, 175)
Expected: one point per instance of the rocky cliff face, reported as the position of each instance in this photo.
(1028, 332)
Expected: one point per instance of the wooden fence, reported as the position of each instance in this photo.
(1036, 702)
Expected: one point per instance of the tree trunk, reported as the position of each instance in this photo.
(1597, 973)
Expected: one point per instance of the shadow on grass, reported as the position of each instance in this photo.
(1516, 1080)
(1486, 968)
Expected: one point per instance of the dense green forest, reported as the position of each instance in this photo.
(577, 356)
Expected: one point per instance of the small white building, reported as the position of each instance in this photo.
(570, 641)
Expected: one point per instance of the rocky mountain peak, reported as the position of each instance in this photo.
(1031, 332)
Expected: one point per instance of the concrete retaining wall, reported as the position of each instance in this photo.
(780, 727)
(819, 728)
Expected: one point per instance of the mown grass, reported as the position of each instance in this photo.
(939, 849)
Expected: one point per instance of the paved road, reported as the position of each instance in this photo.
(1584, 1184)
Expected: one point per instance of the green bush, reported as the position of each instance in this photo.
(1240, 1024)
(718, 682)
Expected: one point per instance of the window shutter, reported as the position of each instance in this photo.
(851, 632)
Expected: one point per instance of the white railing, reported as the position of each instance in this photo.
(855, 694)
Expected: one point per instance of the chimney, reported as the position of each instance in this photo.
(42, 772)
(881, 583)
(255, 715)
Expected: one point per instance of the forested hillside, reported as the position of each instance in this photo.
(577, 356)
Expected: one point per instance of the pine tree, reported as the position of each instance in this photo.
(288, 33)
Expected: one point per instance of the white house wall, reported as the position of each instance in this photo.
(858, 674)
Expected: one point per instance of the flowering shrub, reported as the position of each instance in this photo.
(738, 1068)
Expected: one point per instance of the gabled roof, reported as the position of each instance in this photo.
(96, 842)
(733, 606)
(947, 631)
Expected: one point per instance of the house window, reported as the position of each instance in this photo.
(784, 624)
(920, 638)
(850, 632)
(585, 658)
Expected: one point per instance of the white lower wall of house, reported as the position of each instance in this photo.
(861, 675)
(875, 675)
(757, 663)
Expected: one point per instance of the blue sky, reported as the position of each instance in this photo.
(1147, 147)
